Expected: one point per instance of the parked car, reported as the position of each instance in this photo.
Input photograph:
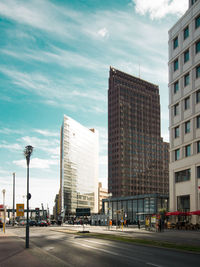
(32, 223)
(22, 222)
(42, 223)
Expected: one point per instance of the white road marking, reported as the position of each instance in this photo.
(48, 248)
(100, 249)
(152, 264)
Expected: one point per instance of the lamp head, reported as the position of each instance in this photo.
(28, 151)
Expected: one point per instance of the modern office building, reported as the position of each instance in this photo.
(137, 156)
(184, 110)
(78, 168)
(102, 194)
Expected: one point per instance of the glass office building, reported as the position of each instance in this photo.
(78, 167)
(134, 208)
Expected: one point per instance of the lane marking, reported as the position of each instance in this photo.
(152, 264)
(100, 249)
(48, 248)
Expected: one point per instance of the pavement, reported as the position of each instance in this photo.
(14, 253)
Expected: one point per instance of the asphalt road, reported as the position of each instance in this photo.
(71, 250)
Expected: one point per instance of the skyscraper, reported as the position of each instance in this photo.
(78, 167)
(137, 155)
(184, 110)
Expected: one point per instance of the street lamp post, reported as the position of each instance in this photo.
(13, 211)
(4, 212)
(27, 153)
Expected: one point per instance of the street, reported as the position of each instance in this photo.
(53, 248)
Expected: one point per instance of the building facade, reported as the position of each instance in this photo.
(184, 111)
(78, 168)
(137, 156)
(134, 208)
(102, 194)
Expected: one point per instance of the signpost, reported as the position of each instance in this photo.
(20, 210)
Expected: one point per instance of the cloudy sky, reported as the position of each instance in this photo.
(54, 60)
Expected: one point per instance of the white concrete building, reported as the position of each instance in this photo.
(184, 111)
(78, 167)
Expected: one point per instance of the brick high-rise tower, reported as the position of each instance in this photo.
(137, 156)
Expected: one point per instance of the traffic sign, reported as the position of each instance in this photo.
(20, 209)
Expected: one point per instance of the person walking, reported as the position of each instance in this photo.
(138, 222)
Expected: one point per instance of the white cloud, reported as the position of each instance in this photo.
(51, 146)
(28, 13)
(11, 146)
(46, 132)
(10, 131)
(158, 9)
(37, 163)
(103, 33)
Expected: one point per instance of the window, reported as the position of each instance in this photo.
(187, 103)
(188, 150)
(186, 56)
(198, 171)
(198, 96)
(186, 79)
(193, 1)
(198, 146)
(177, 154)
(175, 109)
(198, 71)
(175, 42)
(182, 176)
(176, 64)
(186, 33)
(198, 121)
(197, 46)
(183, 203)
(176, 87)
(197, 22)
(176, 132)
(187, 127)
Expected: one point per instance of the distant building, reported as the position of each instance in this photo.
(56, 207)
(78, 167)
(102, 194)
(184, 109)
(137, 156)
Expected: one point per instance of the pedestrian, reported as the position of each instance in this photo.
(138, 222)
(159, 225)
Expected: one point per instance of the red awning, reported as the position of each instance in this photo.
(176, 213)
(197, 212)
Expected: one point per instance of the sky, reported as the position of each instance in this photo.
(54, 60)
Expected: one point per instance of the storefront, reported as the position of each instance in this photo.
(134, 208)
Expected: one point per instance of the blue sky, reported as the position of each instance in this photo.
(54, 60)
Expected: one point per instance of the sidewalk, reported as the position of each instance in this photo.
(14, 253)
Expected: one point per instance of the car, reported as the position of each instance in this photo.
(32, 223)
(42, 223)
(22, 222)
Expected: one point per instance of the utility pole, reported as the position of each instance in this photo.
(13, 211)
